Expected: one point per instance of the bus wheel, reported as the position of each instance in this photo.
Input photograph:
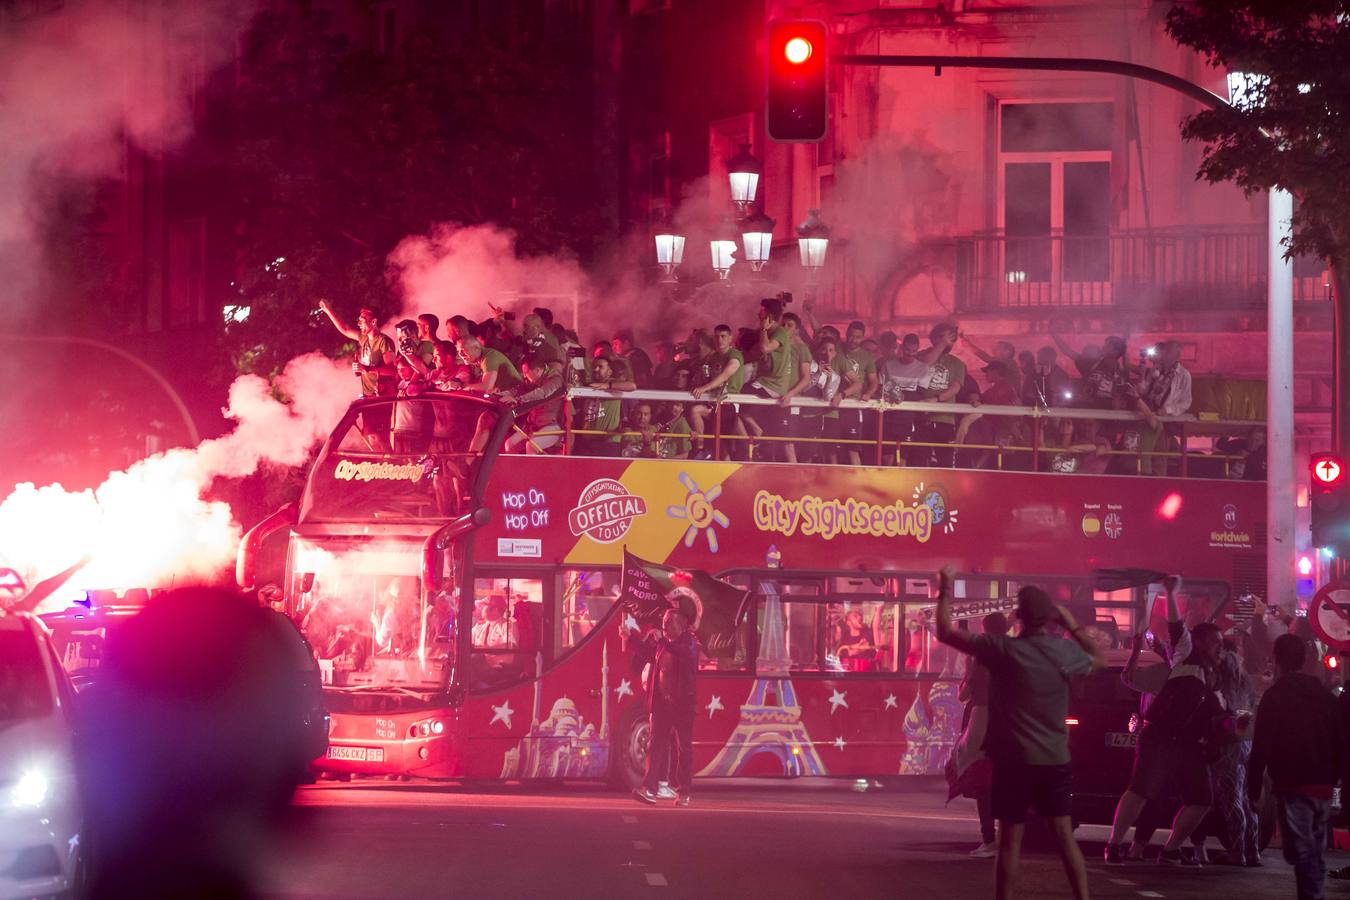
(628, 750)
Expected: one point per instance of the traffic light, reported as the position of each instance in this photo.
(798, 81)
(1329, 501)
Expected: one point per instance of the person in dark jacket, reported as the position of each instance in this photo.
(671, 692)
(1300, 741)
(1172, 747)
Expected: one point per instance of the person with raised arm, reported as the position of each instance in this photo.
(1027, 740)
(375, 351)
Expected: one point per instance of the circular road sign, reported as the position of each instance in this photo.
(1327, 470)
(1329, 615)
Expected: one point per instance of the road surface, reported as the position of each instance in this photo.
(376, 839)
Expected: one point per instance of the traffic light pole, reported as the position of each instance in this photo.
(1280, 537)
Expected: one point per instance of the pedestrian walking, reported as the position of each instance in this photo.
(1300, 741)
(1237, 821)
(1027, 739)
(671, 693)
(970, 773)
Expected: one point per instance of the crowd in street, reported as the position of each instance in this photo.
(1224, 718)
(783, 359)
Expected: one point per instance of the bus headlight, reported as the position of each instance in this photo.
(426, 728)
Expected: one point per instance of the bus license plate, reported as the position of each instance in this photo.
(359, 754)
(1121, 739)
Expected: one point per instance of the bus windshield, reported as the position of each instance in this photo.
(400, 459)
(360, 604)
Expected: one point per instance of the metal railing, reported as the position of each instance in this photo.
(882, 450)
(1213, 267)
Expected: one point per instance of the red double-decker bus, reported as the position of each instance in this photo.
(464, 606)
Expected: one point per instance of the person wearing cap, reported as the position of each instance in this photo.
(1027, 740)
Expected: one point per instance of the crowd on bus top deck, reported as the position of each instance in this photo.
(785, 356)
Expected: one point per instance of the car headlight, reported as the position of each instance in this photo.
(30, 791)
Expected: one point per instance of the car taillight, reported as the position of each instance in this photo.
(1134, 723)
(1070, 721)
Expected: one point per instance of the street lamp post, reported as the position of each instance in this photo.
(669, 251)
(813, 239)
(743, 172)
(757, 236)
(723, 245)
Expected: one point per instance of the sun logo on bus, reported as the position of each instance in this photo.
(935, 498)
(699, 512)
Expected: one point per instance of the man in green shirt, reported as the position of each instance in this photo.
(728, 363)
(944, 383)
(494, 371)
(604, 416)
(859, 369)
(774, 376)
(1027, 740)
(800, 372)
(374, 363)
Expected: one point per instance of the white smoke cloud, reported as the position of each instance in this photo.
(149, 525)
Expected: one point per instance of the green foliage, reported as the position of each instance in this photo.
(1292, 128)
(325, 156)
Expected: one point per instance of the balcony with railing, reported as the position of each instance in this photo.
(1176, 269)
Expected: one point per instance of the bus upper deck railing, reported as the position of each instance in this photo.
(1182, 427)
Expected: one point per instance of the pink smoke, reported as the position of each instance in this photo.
(459, 270)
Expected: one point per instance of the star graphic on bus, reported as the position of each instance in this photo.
(502, 714)
(935, 498)
(699, 512)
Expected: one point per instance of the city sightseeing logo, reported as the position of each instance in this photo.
(605, 511)
(698, 510)
(347, 470)
(936, 499)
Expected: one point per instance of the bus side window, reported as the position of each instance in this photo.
(506, 631)
(585, 596)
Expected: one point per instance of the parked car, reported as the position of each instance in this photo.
(40, 812)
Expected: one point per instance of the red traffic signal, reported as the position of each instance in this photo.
(797, 88)
(797, 50)
(1329, 501)
(1327, 468)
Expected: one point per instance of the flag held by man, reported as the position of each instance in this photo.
(715, 608)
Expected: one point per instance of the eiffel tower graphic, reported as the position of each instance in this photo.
(771, 718)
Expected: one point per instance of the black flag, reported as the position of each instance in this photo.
(649, 589)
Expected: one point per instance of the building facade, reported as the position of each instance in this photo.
(1018, 203)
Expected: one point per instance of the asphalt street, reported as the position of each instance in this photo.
(376, 839)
